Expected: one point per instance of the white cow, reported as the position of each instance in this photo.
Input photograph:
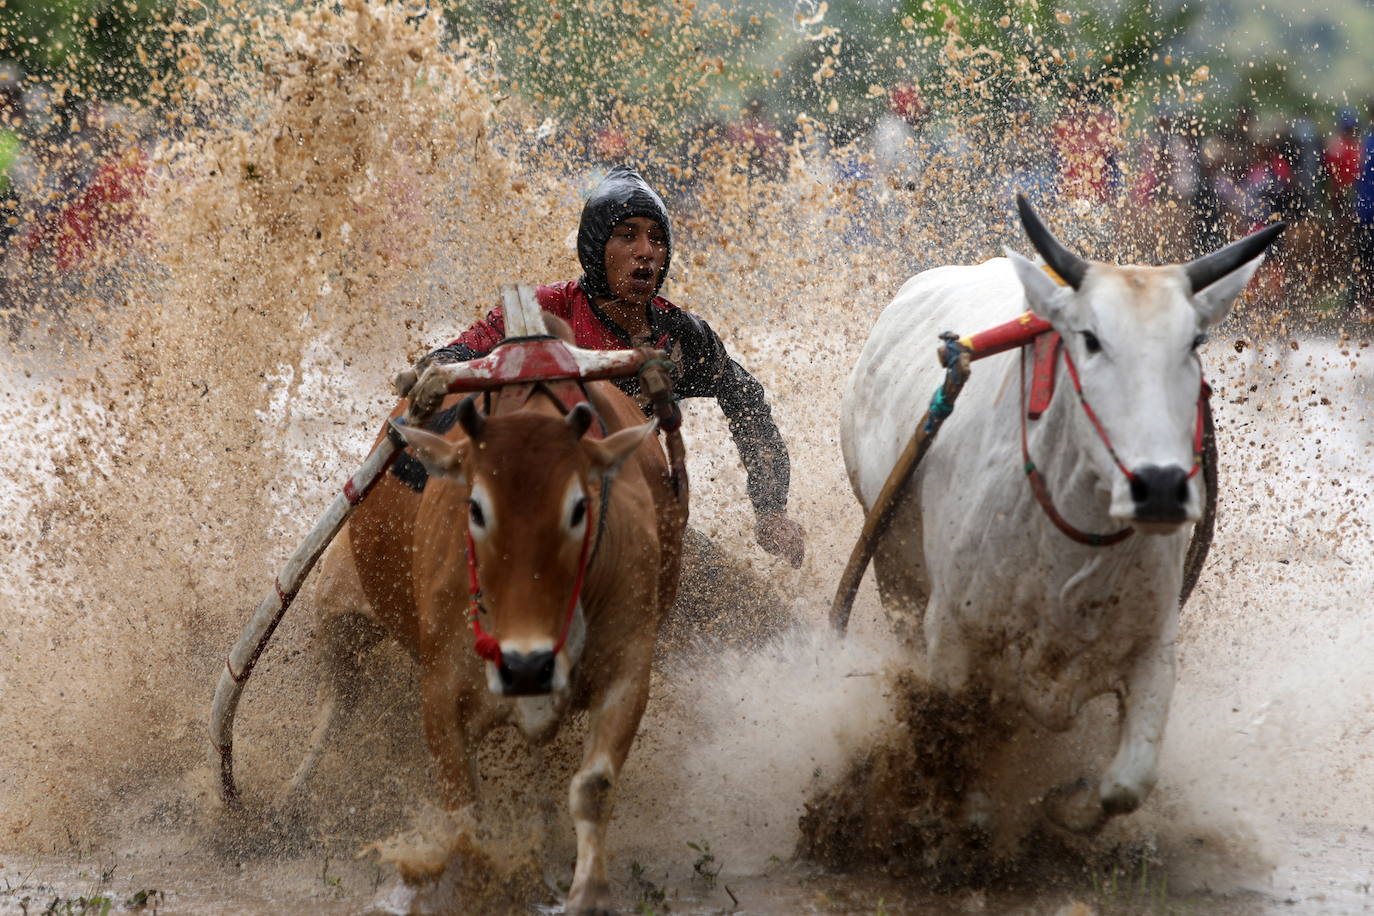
(1014, 608)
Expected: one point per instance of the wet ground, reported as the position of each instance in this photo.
(1326, 872)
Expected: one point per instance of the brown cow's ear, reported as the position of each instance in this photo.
(437, 454)
(607, 455)
(580, 418)
(471, 419)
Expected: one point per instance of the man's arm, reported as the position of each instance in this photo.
(476, 341)
(708, 369)
(760, 445)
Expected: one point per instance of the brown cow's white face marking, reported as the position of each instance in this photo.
(574, 516)
(575, 506)
(481, 515)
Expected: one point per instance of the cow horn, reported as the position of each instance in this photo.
(1209, 268)
(1068, 265)
(580, 418)
(471, 419)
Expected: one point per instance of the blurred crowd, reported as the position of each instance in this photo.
(71, 173)
(1189, 186)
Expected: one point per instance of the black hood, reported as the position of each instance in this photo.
(621, 194)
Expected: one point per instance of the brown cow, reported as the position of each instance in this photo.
(527, 481)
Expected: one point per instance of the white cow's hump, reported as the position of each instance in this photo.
(964, 299)
(900, 356)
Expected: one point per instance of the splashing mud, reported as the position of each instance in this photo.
(338, 187)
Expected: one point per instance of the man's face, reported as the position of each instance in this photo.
(635, 254)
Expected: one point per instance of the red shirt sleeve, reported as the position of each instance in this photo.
(555, 299)
(485, 334)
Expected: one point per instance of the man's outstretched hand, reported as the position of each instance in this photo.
(782, 537)
(404, 381)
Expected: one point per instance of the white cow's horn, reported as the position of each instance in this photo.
(1068, 265)
(1209, 268)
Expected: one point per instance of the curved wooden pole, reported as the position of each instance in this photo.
(255, 636)
(955, 358)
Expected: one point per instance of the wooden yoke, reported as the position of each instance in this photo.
(530, 354)
(955, 357)
(524, 317)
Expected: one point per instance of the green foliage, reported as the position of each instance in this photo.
(143, 899)
(649, 895)
(678, 60)
(990, 49)
(706, 866)
(585, 57)
(106, 48)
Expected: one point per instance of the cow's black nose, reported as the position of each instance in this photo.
(524, 674)
(1160, 494)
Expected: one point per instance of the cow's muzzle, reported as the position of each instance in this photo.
(1160, 494)
(526, 673)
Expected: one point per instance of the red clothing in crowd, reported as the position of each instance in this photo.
(103, 207)
(1342, 162)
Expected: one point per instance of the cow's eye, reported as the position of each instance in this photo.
(475, 514)
(1199, 340)
(1091, 342)
(579, 512)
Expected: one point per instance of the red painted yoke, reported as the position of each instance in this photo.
(541, 359)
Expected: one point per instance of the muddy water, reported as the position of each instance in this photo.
(1261, 806)
(177, 425)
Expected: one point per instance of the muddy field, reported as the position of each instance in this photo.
(1261, 806)
(182, 410)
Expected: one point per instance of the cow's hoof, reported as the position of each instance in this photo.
(590, 901)
(1075, 807)
(1118, 799)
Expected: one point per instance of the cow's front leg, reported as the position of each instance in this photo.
(1127, 782)
(433, 858)
(443, 709)
(1144, 710)
(615, 716)
(947, 654)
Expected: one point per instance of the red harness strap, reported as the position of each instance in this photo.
(1041, 489)
(1047, 347)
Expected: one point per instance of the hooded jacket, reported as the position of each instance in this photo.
(701, 365)
(621, 195)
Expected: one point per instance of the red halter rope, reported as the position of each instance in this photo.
(1037, 481)
(484, 644)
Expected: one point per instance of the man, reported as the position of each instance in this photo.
(624, 243)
